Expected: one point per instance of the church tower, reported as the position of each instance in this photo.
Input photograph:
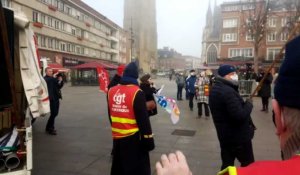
(140, 21)
(211, 35)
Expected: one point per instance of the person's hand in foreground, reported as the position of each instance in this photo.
(174, 164)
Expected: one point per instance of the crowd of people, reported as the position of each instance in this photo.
(131, 102)
(231, 115)
(236, 133)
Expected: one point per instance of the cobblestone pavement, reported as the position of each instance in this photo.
(83, 143)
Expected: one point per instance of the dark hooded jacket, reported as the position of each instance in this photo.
(231, 115)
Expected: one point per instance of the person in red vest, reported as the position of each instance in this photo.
(115, 81)
(286, 106)
(131, 128)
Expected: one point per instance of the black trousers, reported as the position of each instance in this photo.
(186, 94)
(191, 100)
(179, 92)
(242, 151)
(130, 158)
(206, 109)
(265, 103)
(54, 108)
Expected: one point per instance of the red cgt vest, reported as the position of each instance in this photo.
(286, 167)
(120, 101)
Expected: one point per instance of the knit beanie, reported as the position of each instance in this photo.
(145, 78)
(288, 81)
(225, 69)
(120, 69)
(131, 70)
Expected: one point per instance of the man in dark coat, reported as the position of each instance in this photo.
(180, 81)
(231, 116)
(54, 85)
(131, 128)
(265, 90)
(190, 86)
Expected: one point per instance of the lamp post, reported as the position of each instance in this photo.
(131, 41)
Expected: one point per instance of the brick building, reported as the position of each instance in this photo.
(170, 59)
(246, 22)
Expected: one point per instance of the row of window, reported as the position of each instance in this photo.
(249, 52)
(65, 8)
(271, 37)
(55, 44)
(241, 52)
(238, 7)
(272, 22)
(66, 27)
(5, 3)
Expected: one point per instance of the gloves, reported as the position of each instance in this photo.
(147, 142)
(249, 100)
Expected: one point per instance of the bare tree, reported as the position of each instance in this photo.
(292, 8)
(254, 19)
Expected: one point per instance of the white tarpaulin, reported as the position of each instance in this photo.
(34, 84)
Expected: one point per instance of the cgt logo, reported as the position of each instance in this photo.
(119, 98)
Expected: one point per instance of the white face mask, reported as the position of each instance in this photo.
(234, 77)
(192, 73)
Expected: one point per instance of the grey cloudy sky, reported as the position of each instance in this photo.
(179, 22)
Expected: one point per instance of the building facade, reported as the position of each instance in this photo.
(140, 21)
(250, 28)
(169, 59)
(70, 32)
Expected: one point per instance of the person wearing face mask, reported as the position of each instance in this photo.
(190, 86)
(232, 120)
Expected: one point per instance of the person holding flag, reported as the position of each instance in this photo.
(117, 78)
(148, 88)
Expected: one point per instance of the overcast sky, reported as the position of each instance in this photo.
(179, 22)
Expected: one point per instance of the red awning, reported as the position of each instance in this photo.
(95, 65)
(57, 67)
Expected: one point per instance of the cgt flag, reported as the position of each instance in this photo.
(169, 105)
(103, 78)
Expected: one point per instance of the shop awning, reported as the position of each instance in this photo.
(95, 65)
(57, 67)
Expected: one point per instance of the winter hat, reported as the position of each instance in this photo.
(120, 69)
(145, 78)
(131, 70)
(225, 69)
(288, 81)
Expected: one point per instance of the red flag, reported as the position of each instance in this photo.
(103, 78)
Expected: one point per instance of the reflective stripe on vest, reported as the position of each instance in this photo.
(231, 170)
(120, 99)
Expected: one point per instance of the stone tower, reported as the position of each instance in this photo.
(140, 21)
